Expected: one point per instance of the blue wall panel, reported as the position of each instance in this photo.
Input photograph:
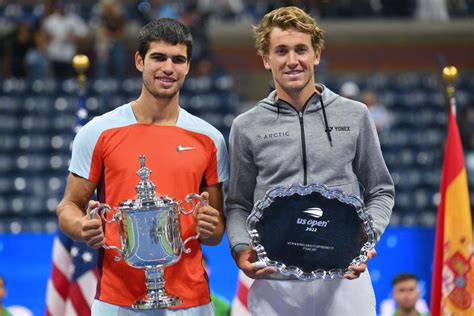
(25, 262)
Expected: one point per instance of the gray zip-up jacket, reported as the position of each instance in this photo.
(332, 141)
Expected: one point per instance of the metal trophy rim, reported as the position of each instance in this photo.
(285, 191)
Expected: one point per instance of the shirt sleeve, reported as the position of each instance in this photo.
(242, 181)
(222, 159)
(85, 159)
(373, 175)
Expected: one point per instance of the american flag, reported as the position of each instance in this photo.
(73, 280)
(71, 287)
(239, 303)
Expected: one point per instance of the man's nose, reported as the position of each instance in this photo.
(292, 58)
(167, 66)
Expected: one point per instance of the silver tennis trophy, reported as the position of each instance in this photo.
(150, 236)
(310, 232)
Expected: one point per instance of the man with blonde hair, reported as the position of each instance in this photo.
(317, 136)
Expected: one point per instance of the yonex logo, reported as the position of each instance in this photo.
(182, 148)
(340, 128)
(315, 212)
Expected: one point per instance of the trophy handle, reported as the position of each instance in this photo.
(101, 210)
(188, 250)
(189, 199)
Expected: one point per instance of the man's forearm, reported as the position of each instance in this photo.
(69, 219)
(236, 223)
(216, 236)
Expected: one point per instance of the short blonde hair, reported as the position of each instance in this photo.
(286, 18)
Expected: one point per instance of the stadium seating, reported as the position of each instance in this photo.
(37, 119)
(36, 131)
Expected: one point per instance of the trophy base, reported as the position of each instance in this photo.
(156, 302)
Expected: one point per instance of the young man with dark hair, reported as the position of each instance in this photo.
(105, 158)
(322, 138)
(405, 293)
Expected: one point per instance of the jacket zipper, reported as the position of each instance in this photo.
(303, 139)
(303, 144)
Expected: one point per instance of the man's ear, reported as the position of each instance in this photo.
(189, 67)
(317, 56)
(138, 62)
(266, 62)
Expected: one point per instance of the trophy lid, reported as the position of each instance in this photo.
(145, 188)
(146, 196)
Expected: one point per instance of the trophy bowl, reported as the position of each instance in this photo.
(310, 231)
(150, 236)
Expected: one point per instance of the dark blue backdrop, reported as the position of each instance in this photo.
(25, 262)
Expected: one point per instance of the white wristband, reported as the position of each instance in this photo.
(260, 264)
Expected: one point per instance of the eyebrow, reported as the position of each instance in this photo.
(287, 46)
(158, 54)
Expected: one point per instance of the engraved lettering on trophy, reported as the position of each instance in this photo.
(311, 224)
(317, 223)
(301, 221)
(309, 247)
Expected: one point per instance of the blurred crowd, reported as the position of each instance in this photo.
(39, 38)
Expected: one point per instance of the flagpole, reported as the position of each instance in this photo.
(452, 288)
(450, 75)
(81, 63)
(74, 274)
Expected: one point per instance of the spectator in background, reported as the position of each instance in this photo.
(149, 10)
(350, 90)
(400, 8)
(196, 17)
(36, 59)
(406, 300)
(382, 117)
(225, 9)
(3, 293)
(110, 41)
(466, 127)
(63, 31)
(18, 44)
(432, 10)
(24, 54)
(406, 295)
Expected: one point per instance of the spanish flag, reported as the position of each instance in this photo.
(452, 291)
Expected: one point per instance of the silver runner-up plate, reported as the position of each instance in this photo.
(310, 232)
